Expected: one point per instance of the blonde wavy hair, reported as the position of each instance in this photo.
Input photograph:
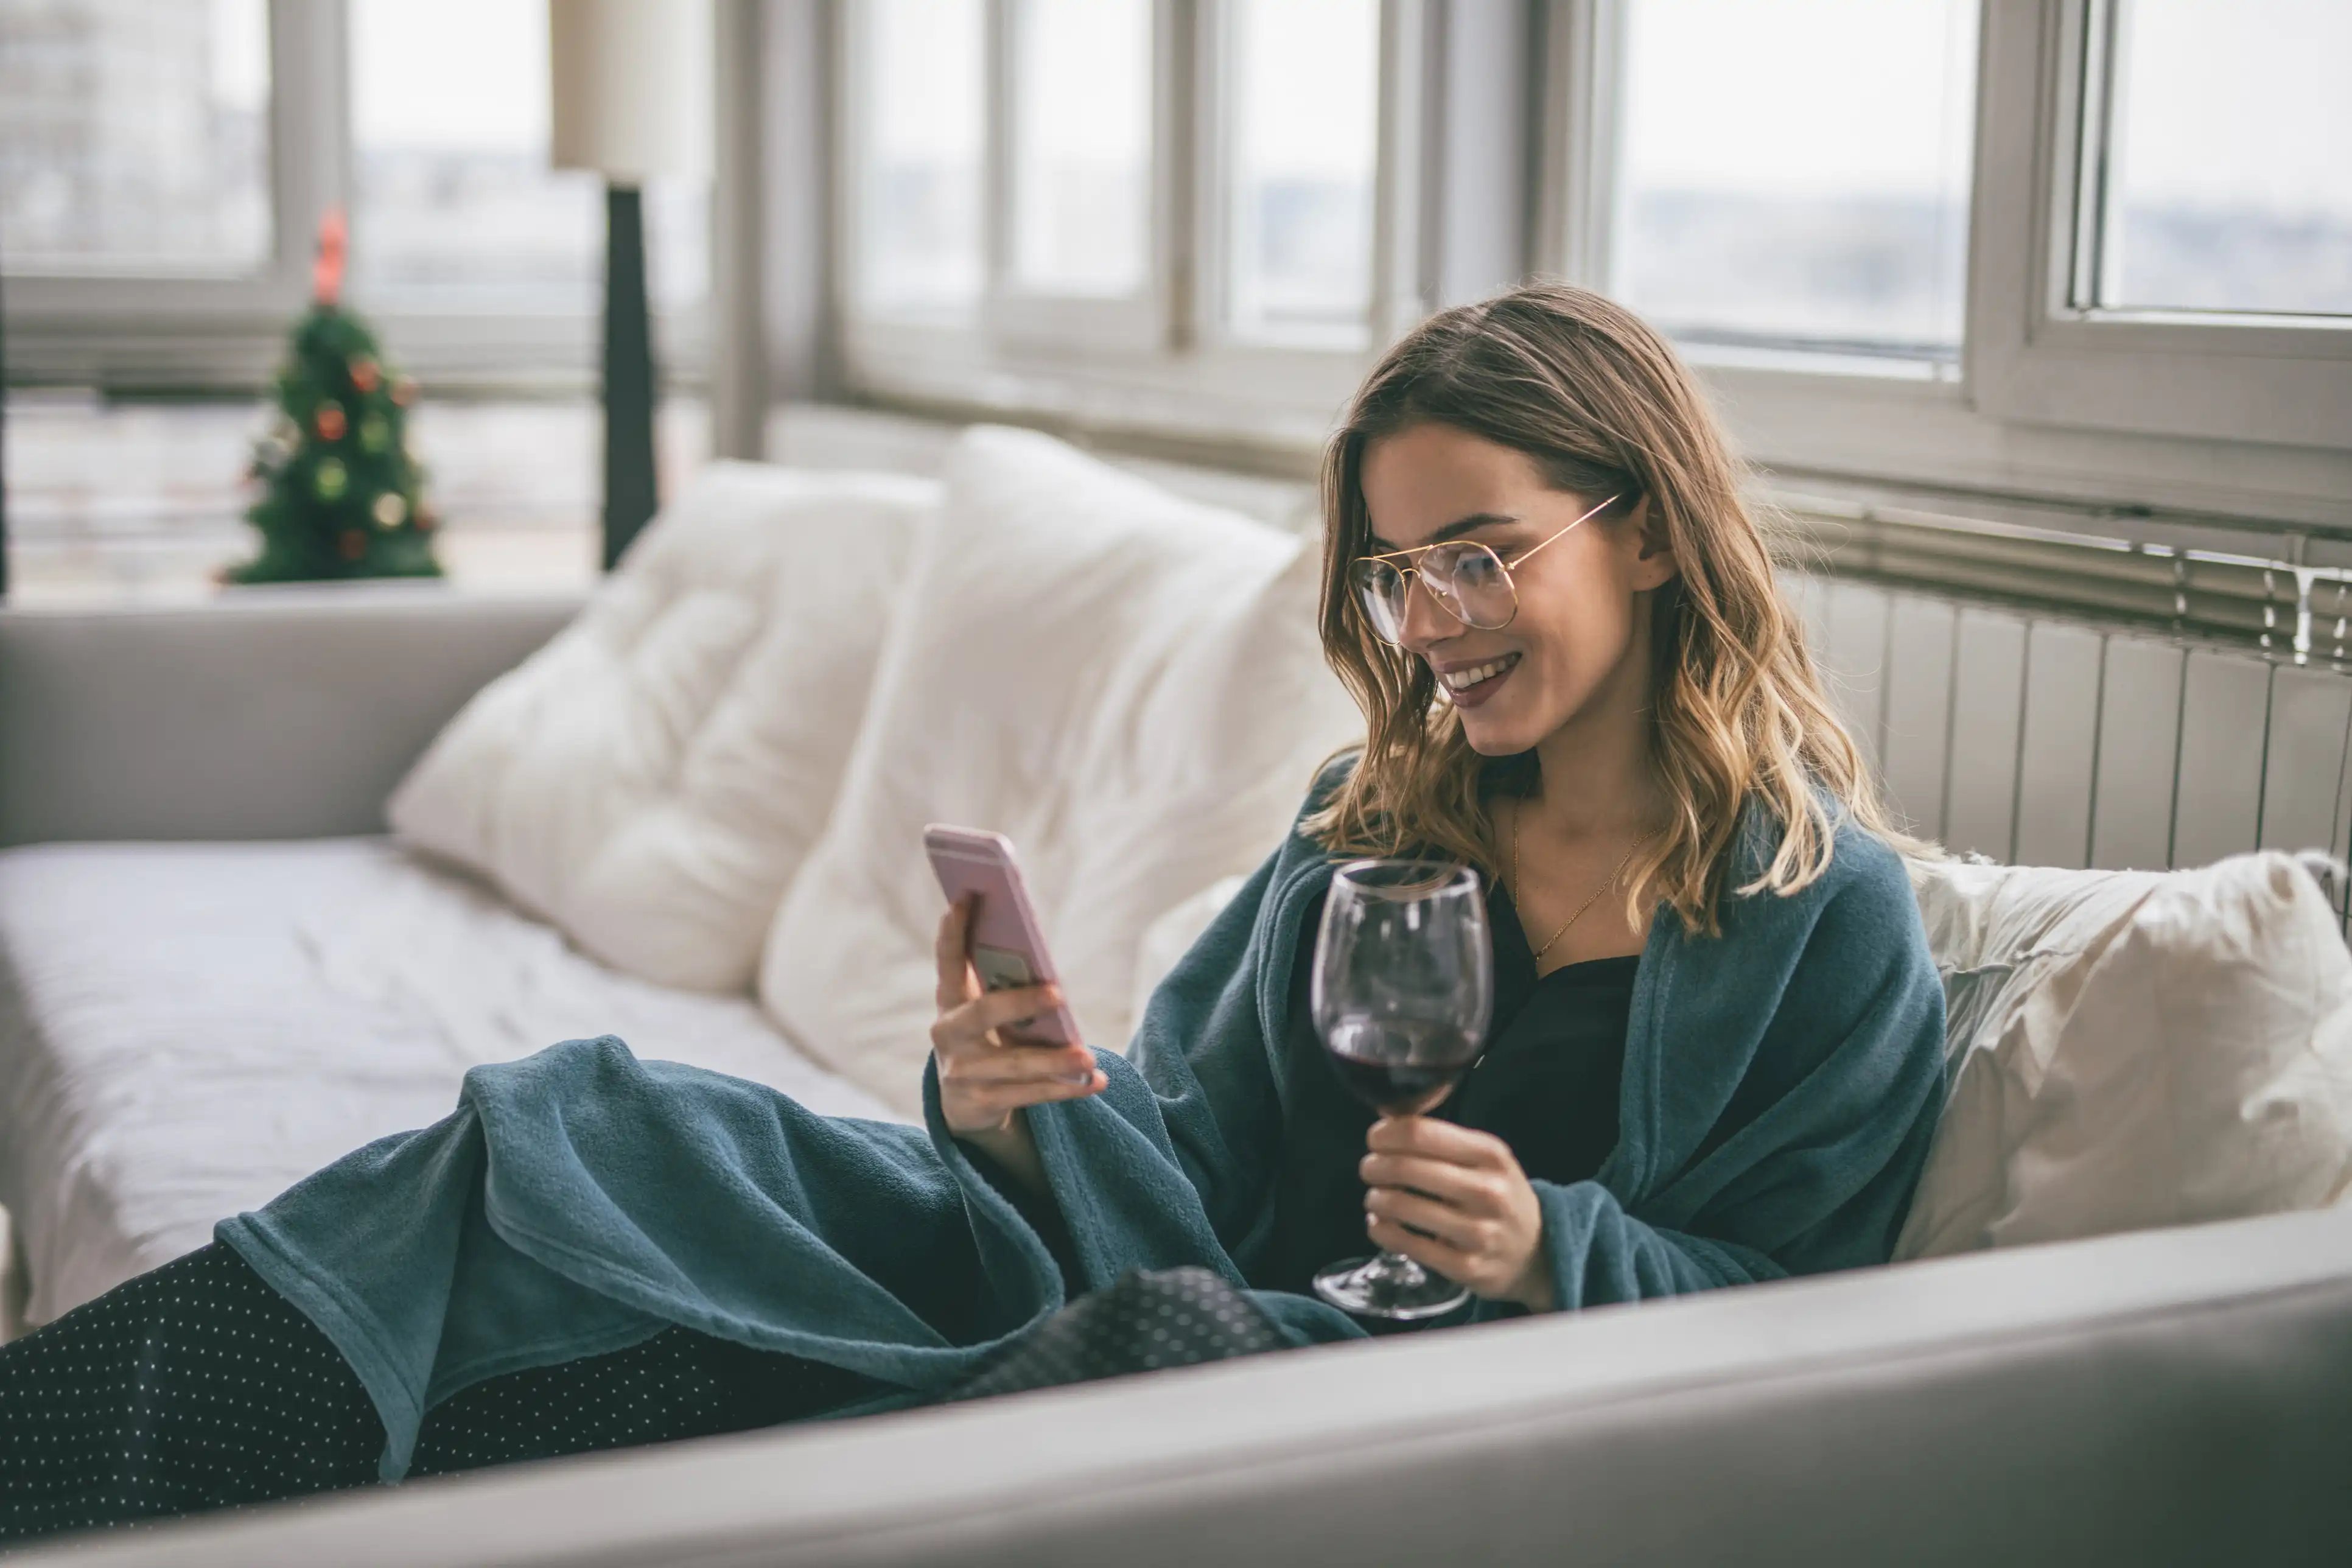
(1738, 716)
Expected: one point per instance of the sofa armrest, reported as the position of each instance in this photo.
(267, 713)
(2172, 1397)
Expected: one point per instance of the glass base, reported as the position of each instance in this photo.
(1390, 1285)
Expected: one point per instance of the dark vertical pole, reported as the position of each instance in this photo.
(4, 450)
(629, 497)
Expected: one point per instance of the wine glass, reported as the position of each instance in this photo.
(1403, 985)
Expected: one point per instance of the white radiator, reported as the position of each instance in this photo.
(2038, 739)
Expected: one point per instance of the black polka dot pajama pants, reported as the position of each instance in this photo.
(198, 1386)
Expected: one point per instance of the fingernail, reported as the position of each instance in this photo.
(1079, 1078)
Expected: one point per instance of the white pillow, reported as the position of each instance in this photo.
(650, 780)
(2133, 1048)
(1126, 684)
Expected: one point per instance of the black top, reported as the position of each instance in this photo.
(1546, 1086)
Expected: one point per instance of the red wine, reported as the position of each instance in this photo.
(1400, 1069)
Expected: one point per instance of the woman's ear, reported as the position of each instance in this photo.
(1656, 566)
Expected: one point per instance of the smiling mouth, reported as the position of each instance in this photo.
(1468, 688)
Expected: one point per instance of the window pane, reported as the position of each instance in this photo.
(922, 243)
(454, 202)
(1082, 146)
(135, 138)
(1795, 175)
(2230, 166)
(1302, 144)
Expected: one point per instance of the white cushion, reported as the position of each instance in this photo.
(2133, 1048)
(651, 779)
(188, 1030)
(1126, 684)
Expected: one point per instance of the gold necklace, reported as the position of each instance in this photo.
(1518, 888)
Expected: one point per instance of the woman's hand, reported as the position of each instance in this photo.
(984, 1078)
(1466, 1190)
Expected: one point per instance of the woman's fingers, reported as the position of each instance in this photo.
(1455, 1227)
(999, 1100)
(1429, 1137)
(1021, 1064)
(1465, 1186)
(953, 956)
(996, 1009)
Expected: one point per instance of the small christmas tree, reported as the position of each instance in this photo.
(341, 496)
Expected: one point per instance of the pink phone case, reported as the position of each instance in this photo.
(1008, 946)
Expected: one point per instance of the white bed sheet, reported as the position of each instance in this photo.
(187, 1029)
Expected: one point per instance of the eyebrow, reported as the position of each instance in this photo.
(1455, 530)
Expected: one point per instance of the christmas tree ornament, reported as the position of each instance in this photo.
(428, 520)
(331, 506)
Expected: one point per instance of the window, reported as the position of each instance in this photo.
(1300, 150)
(135, 138)
(1795, 175)
(1155, 212)
(1081, 94)
(922, 242)
(2072, 252)
(454, 203)
(2217, 160)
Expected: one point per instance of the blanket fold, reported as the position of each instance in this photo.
(1780, 1086)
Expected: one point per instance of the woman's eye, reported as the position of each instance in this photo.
(1477, 569)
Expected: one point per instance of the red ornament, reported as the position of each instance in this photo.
(354, 544)
(403, 392)
(331, 423)
(365, 375)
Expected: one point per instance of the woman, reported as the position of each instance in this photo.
(1716, 1055)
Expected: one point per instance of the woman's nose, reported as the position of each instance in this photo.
(1427, 623)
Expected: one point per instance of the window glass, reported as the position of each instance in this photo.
(921, 245)
(135, 138)
(454, 203)
(1301, 146)
(1795, 175)
(2229, 168)
(1081, 146)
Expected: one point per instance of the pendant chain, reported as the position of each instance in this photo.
(1518, 888)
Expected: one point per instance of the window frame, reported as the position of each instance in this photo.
(178, 328)
(2042, 358)
(2116, 417)
(1171, 369)
(2108, 417)
(138, 332)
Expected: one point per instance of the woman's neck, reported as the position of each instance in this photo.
(1598, 772)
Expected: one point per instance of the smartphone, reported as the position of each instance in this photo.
(1008, 945)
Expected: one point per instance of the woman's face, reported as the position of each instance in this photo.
(1578, 643)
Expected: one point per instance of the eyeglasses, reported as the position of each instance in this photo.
(1469, 582)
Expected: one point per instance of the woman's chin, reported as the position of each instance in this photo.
(1491, 735)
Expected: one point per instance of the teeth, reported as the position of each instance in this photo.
(1463, 680)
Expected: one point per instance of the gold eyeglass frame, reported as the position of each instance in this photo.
(1510, 570)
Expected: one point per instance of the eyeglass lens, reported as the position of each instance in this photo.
(1468, 581)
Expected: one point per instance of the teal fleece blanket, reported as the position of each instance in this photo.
(1780, 1086)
